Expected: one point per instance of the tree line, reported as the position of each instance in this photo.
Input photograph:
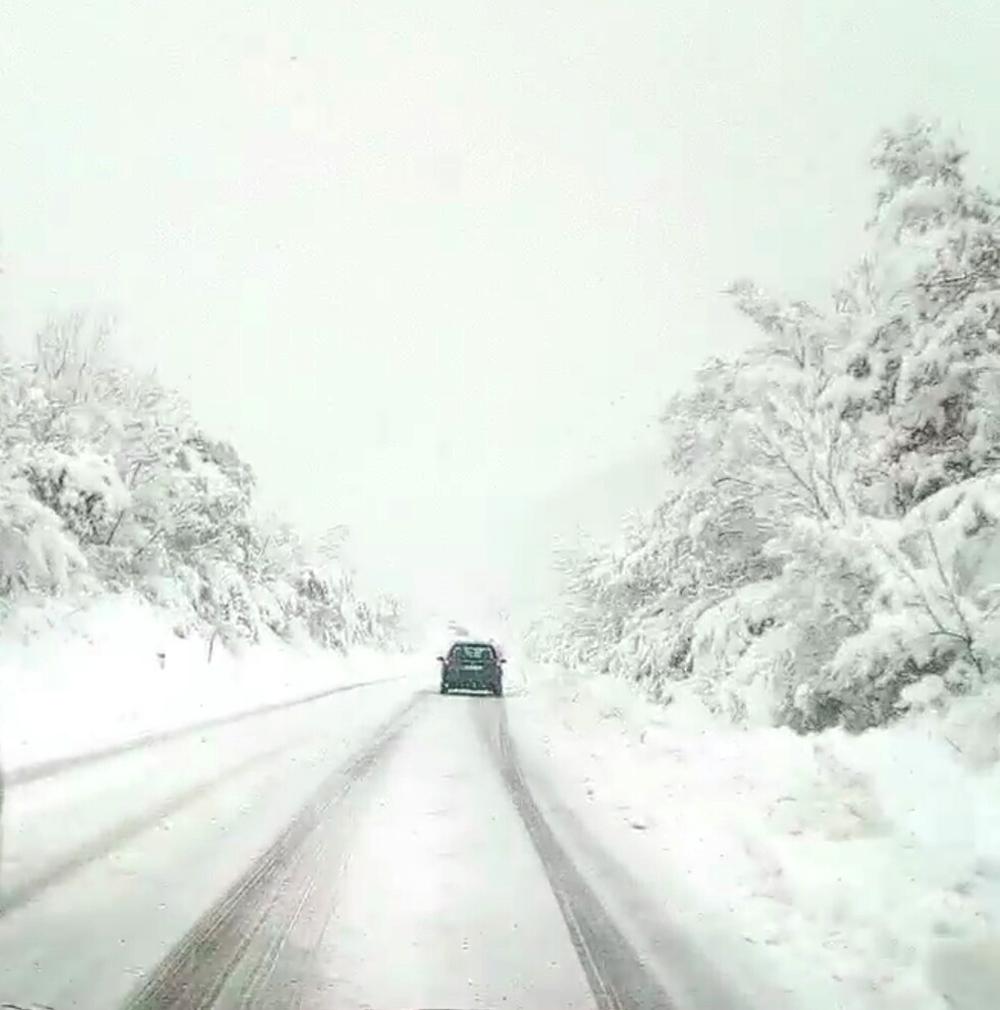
(109, 484)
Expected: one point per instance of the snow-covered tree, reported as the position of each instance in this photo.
(830, 536)
(926, 326)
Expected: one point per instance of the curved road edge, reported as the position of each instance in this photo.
(22, 774)
(690, 958)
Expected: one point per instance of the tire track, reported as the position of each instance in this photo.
(618, 977)
(232, 955)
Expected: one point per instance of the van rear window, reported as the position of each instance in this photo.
(477, 653)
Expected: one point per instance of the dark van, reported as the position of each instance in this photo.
(472, 666)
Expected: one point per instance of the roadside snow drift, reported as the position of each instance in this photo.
(77, 679)
(856, 872)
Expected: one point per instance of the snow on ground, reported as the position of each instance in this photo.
(147, 840)
(442, 873)
(857, 872)
(74, 679)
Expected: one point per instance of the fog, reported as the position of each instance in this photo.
(434, 269)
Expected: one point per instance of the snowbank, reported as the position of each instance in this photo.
(75, 679)
(859, 872)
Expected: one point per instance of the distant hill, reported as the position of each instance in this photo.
(508, 576)
(593, 506)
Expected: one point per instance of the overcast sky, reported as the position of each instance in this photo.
(430, 265)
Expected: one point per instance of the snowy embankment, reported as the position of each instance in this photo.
(856, 872)
(75, 680)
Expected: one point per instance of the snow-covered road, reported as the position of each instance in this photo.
(379, 847)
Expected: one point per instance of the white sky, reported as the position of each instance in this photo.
(427, 264)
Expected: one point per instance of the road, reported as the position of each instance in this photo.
(379, 848)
